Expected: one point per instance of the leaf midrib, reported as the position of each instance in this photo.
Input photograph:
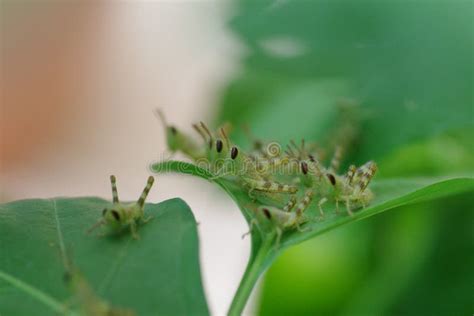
(34, 292)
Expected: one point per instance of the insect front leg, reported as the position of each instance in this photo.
(320, 203)
(146, 220)
(279, 233)
(96, 225)
(133, 230)
(348, 207)
(253, 222)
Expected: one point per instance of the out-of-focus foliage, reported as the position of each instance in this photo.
(158, 274)
(410, 67)
(409, 64)
(415, 261)
(299, 270)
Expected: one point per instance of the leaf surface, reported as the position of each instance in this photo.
(389, 194)
(158, 274)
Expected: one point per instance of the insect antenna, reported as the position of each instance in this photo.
(224, 135)
(300, 151)
(113, 181)
(292, 143)
(290, 152)
(256, 143)
(206, 130)
(200, 132)
(161, 117)
(146, 190)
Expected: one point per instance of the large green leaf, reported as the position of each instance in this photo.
(156, 275)
(389, 194)
(410, 64)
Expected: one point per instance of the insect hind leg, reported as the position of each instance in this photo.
(366, 172)
(336, 159)
(320, 203)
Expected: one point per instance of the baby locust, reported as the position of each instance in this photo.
(222, 158)
(120, 215)
(177, 140)
(350, 188)
(291, 217)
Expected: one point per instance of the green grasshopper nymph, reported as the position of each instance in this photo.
(244, 167)
(353, 187)
(179, 141)
(120, 215)
(236, 162)
(350, 188)
(280, 220)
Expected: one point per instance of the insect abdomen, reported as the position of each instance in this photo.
(270, 186)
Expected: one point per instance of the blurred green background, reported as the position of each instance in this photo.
(409, 66)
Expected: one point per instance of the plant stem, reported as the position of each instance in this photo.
(251, 275)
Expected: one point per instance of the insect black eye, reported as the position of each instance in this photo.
(267, 213)
(304, 167)
(331, 178)
(234, 152)
(219, 145)
(116, 215)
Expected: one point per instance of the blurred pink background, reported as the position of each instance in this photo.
(79, 82)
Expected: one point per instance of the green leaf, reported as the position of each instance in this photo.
(377, 265)
(411, 70)
(389, 194)
(158, 274)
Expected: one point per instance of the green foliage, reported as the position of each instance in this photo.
(410, 67)
(409, 64)
(402, 262)
(389, 193)
(157, 274)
